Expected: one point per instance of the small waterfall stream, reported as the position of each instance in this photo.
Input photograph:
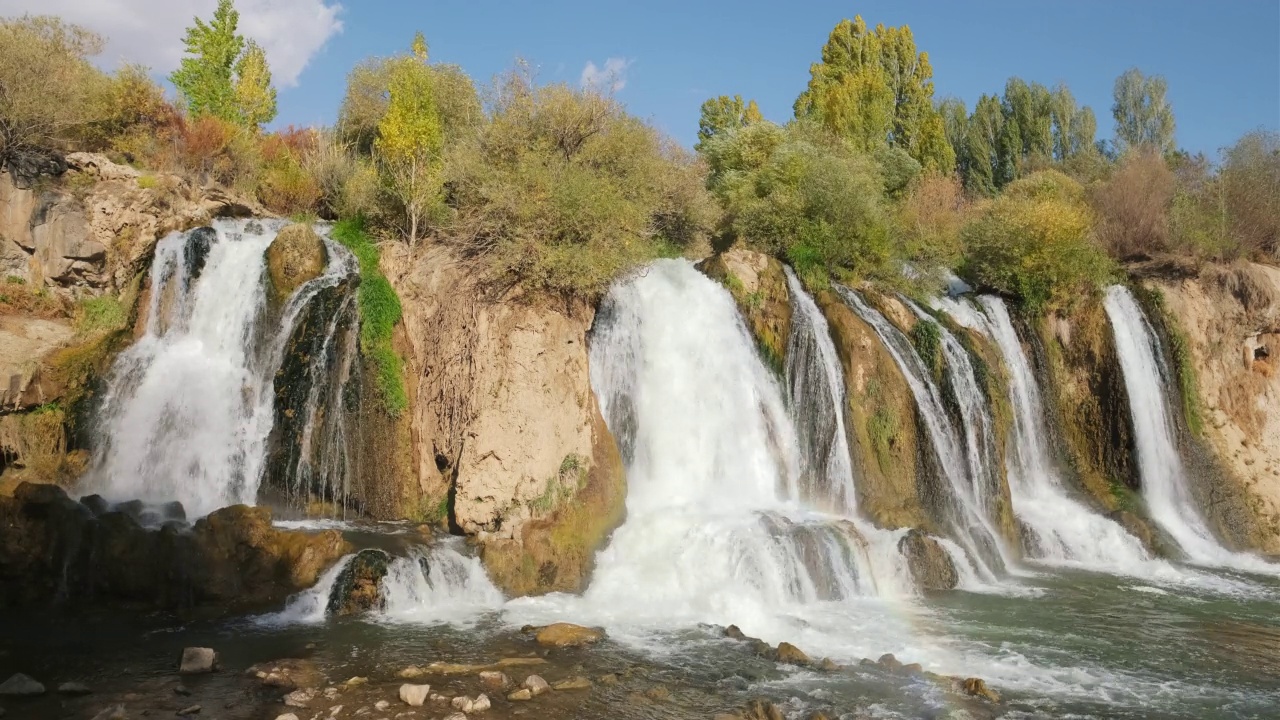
(189, 406)
(960, 460)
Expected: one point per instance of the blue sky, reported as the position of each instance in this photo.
(1221, 58)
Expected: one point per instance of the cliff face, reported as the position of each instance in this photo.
(1224, 329)
(759, 286)
(506, 430)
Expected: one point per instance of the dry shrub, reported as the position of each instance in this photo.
(1132, 208)
(930, 219)
(1250, 180)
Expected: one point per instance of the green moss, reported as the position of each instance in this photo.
(882, 425)
(1125, 498)
(927, 339)
(380, 310)
(1184, 362)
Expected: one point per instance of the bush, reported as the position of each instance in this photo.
(929, 221)
(1251, 192)
(1034, 243)
(379, 312)
(1132, 208)
(562, 191)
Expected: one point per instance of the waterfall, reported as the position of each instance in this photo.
(189, 407)
(1061, 529)
(816, 381)
(962, 460)
(438, 584)
(714, 532)
(1165, 485)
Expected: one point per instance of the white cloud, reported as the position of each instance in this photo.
(150, 31)
(610, 78)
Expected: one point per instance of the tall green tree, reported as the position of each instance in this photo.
(724, 113)
(1142, 111)
(255, 96)
(410, 138)
(986, 129)
(876, 87)
(223, 75)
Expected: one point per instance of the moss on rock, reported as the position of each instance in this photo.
(294, 257)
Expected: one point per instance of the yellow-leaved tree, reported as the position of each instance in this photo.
(410, 139)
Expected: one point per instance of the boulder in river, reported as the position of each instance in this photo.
(930, 565)
(19, 685)
(198, 660)
(978, 688)
(358, 588)
(567, 635)
(791, 655)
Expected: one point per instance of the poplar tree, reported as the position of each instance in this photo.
(255, 96)
(1142, 112)
(410, 138)
(724, 113)
(222, 75)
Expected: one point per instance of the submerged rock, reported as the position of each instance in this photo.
(978, 688)
(414, 695)
(495, 679)
(19, 685)
(930, 565)
(535, 684)
(573, 683)
(567, 635)
(197, 660)
(521, 694)
(358, 588)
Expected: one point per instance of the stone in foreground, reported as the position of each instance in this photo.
(568, 635)
(20, 685)
(414, 695)
(197, 660)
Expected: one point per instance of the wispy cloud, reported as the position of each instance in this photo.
(150, 32)
(611, 77)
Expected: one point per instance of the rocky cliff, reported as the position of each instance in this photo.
(507, 434)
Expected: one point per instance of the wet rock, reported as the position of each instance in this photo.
(521, 661)
(978, 688)
(356, 681)
(567, 635)
(574, 683)
(330, 693)
(495, 679)
(96, 504)
(192, 710)
(295, 256)
(930, 565)
(358, 588)
(333, 711)
(181, 690)
(301, 698)
(828, 664)
(889, 662)
(535, 684)
(521, 694)
(913, 669)
(19, 685)
(733, 631)
(658, 693)
(412, 672)
(196, 251)
(198, 660)
(288, 674)
(608, 679)
(74, 688)
(456, 716)
(414, 695)
(444, 668)
(479, 703)
(1136, 527)
(381, 705)
(116, 712)
(792, 655)
(762, 710)
(287, 716)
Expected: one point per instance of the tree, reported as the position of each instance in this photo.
(223, 75)
(1142, 112)
(410, 138)
(255, 97)
(724, 113)
(986, 128)
(875, 87)
(47, 85)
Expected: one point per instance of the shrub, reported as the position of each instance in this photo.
(102, 314)
(930, 218)
(1034, 242)
(1250, 178)
(1132, 208)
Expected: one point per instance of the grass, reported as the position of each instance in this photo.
(101, 314)
(379, 312)
(148, 182)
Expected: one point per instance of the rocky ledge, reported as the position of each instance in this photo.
(55, 549)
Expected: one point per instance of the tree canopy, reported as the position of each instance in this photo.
(222, 75)
(1142, 111)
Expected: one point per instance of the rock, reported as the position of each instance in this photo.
(333, 711)
(828, 665)
(930, 565)
(471, 705)
(287, 716)
(913, 669)
(197, 660)
(356, 681)
(301, 698)
(295, 256)
(414, 695)
(288, 674)
(521, 694)
(658, 693)
(734, 632)
(792, 655)
(19, 685)
(762, 710)
(456, 716)
(758, 285)
(495, 679)
(889, 661)
(567, 635)
(481, 703)
(330, 693)
(116, 712)
(74, 688)
(574, 683)
(192, 710)
(535, 684)
(181, 690)
(521, 661)
(444, 668)
(381, 705)
(100, 166)
(412, 672)
(608, 679)
(978, 688)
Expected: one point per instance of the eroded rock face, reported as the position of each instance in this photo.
(1228, 325)
(53, 548)
(505, 423)
(759, 286)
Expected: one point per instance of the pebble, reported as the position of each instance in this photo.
(521, 694)
(381, 705)
(457, 716)
(495, 679)
(573, 683)
(287, 716)
(300, 698)
(333, 711)
(112, 713)
(194, 709)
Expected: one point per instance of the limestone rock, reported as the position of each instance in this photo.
(456, 716)
(567, 635)
(479, 703)
(197, 660)
(495, 679)
(535, 684)
(574, 683)
(288, 674)
(26, 346)
(101, 167)
(19, 685)
(889, 661)
(414, 695)
(521, 694)
(287, 716)
(295, 256)
(759, 286)
(191, 710)
(930, 564)
(301, 698)
(381, 705)
(792, 655)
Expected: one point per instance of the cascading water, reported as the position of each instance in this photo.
(1063, 530)
(438, 584)
(1165, 486)
(189, 406)
(964, 472)
(712, 533)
